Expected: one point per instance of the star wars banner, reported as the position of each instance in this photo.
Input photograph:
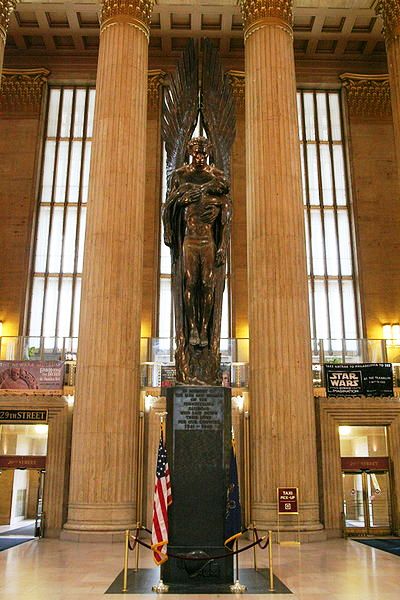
(372, 379)
(29, 375)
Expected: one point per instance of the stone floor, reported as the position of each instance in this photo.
(336, 570)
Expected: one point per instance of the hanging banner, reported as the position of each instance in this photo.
(287, 500)
(28, 375)
(370, 379)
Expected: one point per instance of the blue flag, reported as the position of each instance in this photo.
(233, 515)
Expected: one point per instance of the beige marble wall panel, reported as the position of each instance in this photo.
(107, 393)
(283, 450)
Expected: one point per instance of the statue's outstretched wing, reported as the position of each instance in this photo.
(217, 108)
(180, 108)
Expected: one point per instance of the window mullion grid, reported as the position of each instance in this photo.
(308, 218)
(52, 203)
(335, 210)
(79, 212)
(321, 209)
(65, 204)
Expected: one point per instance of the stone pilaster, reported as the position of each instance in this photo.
(283, 445)
(367, 95)
(102, 486)
(389, 10)
(6, 8)
(22, 90)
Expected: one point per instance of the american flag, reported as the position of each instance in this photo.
(162, 499)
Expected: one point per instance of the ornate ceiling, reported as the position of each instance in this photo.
(326, 29)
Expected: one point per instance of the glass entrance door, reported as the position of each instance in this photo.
(366, 501)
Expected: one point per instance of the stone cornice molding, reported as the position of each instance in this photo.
(155, 80)
(258, 14)
(367, 95)
(389, 10)
(136, 13)
(22, 90)
(6, 8)
(237, 81)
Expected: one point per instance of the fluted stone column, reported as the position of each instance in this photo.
(107, 393)
(389, 10)
(283, 446)
(6, 7)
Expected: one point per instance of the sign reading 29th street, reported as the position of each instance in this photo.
(371, 379)
(11, 415)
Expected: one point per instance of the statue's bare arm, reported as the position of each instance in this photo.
(226, 217)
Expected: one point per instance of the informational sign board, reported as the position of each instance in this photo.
(13, 415)
(168, 376)
(371, 379)
(29, 375)
(22, 462)
(288, 500)
(365, 463)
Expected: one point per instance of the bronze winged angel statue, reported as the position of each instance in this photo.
(198, 208)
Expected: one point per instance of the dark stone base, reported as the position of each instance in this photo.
(199, 572)
(141, 582)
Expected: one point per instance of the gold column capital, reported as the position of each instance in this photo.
(389, 10)
(258, 14)
(237, 81)
(137, 13)
(21, 90)
(6, 8)
(155, 79)
(367, 95)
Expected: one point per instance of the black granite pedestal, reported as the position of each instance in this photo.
(198, 446)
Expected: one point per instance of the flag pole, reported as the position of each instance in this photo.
(237, 587)
(161, 587)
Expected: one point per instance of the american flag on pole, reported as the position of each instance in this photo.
(162, 499)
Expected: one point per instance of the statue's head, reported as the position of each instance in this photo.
(199, 149)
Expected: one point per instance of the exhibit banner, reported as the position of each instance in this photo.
(31, 375)
(168, 376)
(287, 500)
(366, 379)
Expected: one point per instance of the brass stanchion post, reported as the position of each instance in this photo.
(271, 572)
(126, 555)
(237, 587)
(138, 526)
(254, 548)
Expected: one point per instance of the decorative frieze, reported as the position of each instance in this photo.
(6, 8)
(21, 91)
(137, 13)
(389, 10)
(258, 14)
(155, 81)
(237, 81)
(367, 95)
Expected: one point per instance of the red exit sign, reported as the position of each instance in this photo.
(288, 500)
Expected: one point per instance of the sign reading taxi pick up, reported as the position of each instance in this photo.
(371, 379)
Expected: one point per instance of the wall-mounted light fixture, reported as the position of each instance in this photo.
(391, 333)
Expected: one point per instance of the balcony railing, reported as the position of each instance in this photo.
(156, 352)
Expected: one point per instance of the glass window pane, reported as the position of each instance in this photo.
(326, 175)
(331, 251)
(69, 240)
(89, 128)
(81, 246)
(64, 311)
(321, 310)
(77, 303)
(340, 180)
(349, 309)
(35, 321)
(48, 171)
(311, 307)
(309, 115)
(74, 172)
(312, 174)
(303, 175)
(335, 117)
(322, 117)
(52, 119)
(66, 113)
(86, 170)
(79, 115)
(42, 239)
(317, 243)
(307, 231)
(56, 240)
(165, 315)
(225, 312)
(344, 243)
(50, 307)
(165, 258)
(61, 172)
(335, 313)
(299, 116)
